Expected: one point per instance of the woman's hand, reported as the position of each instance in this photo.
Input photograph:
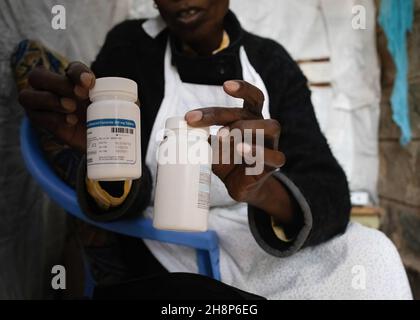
(260, 189)
(58, 103)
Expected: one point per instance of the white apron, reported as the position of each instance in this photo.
(323, 272)
(182, 97)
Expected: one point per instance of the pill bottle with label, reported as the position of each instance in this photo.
(113, 131)
(182, 193)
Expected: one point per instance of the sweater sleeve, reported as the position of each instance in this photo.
(313, 177)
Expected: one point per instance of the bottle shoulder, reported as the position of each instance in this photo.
(114, 105)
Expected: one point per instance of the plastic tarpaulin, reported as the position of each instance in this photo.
(32, 229)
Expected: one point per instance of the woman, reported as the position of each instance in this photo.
(182, 61)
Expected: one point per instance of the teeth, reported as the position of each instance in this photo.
(188, 13)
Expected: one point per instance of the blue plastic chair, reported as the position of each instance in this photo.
(206, 243)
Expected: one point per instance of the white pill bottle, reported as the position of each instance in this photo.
(182, 194)
(113, 131)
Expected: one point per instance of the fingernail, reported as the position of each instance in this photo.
(232, 85)
(68, 104)
(244, 148)
(193, 116)
(86, 79)
(224, 132)
(80, 92)
(71, 119)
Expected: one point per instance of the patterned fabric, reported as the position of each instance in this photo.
(27, 56)
(31, 54)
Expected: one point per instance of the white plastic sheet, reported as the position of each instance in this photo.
(32, 229)
(348, 112)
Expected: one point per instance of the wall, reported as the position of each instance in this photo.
(399, 181)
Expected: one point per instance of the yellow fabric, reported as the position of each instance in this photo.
(279, 232)
(225, 43)
(102, 198)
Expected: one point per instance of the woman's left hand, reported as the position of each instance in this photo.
(249, 180)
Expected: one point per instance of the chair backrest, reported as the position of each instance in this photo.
(206, 243)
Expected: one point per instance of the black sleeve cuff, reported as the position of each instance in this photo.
(135, 203)
(261, 225)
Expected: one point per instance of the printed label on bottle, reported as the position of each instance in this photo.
(111, 141)
(204, 187)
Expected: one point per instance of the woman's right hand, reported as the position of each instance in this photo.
(58, 103)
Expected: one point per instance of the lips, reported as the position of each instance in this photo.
(190, 16)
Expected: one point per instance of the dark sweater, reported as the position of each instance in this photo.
(312, 175)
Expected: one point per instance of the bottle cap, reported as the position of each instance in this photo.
(175, 123)
(114, 86)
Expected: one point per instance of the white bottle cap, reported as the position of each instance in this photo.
(114, 86)
(175, 123)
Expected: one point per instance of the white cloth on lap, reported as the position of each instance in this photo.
(360, 264)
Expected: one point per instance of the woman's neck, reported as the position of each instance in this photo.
(205, 46)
